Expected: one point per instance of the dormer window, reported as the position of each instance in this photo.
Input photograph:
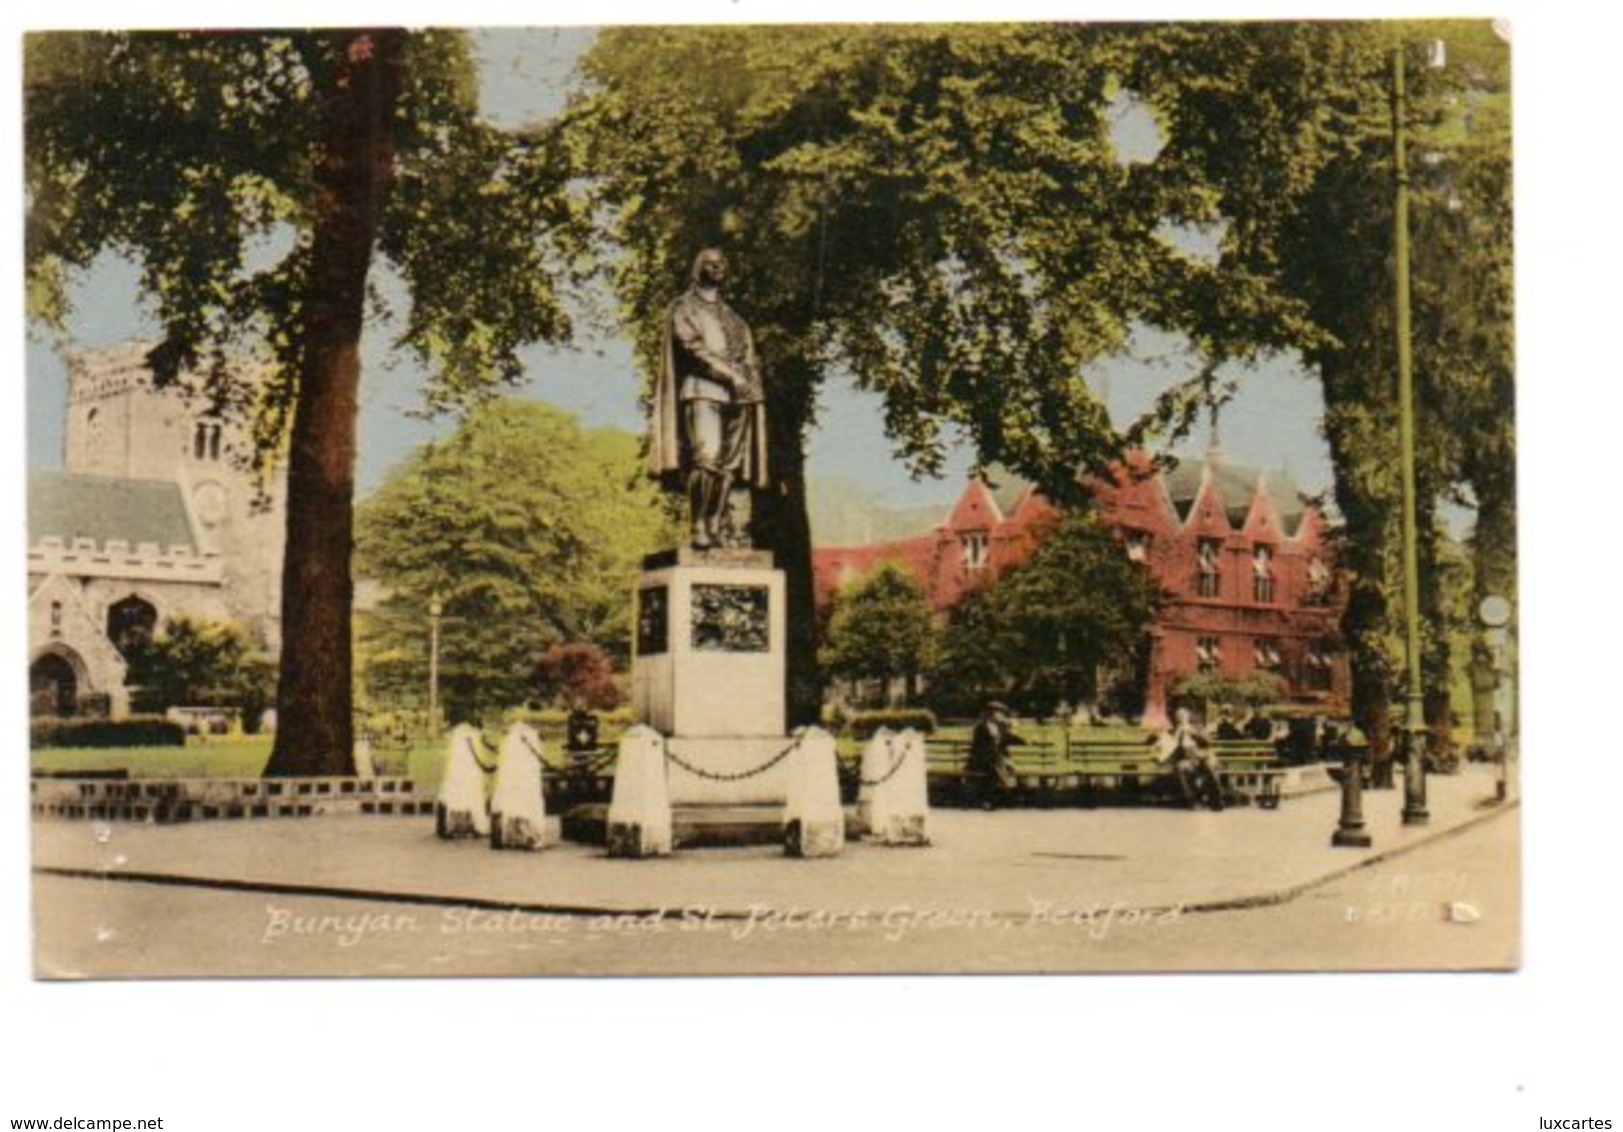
(976, 550)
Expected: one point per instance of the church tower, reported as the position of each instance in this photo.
(119, 426)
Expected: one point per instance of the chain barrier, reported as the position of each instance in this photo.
(488, 768)
(524, 737)
(896, 761)
(737, 776)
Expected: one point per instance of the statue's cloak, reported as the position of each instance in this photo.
(667, 462)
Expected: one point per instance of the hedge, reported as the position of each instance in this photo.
(863, 724)
(136, 731)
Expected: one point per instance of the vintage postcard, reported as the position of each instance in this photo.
(937, 498)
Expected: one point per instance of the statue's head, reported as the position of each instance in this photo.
(710, 268)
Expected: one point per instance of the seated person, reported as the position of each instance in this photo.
(1259, 727)
(1193, 761)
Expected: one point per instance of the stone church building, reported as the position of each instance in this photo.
(1241, 557)
(154, 515)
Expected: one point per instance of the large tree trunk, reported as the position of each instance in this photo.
(315, 729)
(1367, 511)
(783, 526)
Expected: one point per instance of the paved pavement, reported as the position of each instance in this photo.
(1011, 890)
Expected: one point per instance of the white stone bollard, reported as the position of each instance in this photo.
(639, 822)
(876, 756)
(518, 805)
(813, 819)
(900, 807)
(460, 810)
(364, 766)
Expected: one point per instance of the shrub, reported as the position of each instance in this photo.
(578, 675)
(137, 731)
(863, 724)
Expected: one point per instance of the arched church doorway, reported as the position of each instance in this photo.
(53, 685)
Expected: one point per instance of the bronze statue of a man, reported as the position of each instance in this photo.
(709, 417)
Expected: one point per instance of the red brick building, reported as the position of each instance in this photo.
(1241, 557)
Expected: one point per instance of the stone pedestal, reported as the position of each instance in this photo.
(518, 808)
(639, 817)
(709, 673)
(813, 819)
(460, 809)
(893, 805)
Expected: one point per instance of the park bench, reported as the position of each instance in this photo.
(1127, 771)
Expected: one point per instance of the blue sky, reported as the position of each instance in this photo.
(1273, 422)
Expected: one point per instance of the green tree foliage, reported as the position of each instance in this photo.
(1251, 690)
(881, 628)
(1333, 249)
(256, 178)
(1290, 128)
(1075, 606)
(528, 530)
(974, 663)
(943, 213)
(195, 663)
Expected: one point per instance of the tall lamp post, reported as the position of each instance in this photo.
(435, 609)
(1414, 769)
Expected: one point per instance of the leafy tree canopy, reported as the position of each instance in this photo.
(936, 209)
(880, 628)
(199, 155)
(528, 530)
(195, 663)
(1076, 605)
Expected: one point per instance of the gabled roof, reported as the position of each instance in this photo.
(1235, 485)
(1007, 488)
(976, 509)
(104, 508)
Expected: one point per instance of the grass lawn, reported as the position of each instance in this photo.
(234, 757)
(422, 759)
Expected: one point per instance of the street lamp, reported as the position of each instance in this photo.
(435, 609)
(1414, 769)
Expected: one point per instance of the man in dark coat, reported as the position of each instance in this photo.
(708, 432)
(986, 773)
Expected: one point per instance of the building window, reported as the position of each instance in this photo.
(56, 618)
(1262, 575)
(1208, 654)
(1266, 653)
(206, 440)
(1208, 578)
(976, 550)
(1319, 667)
(1138, 546)
(1318, 582)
